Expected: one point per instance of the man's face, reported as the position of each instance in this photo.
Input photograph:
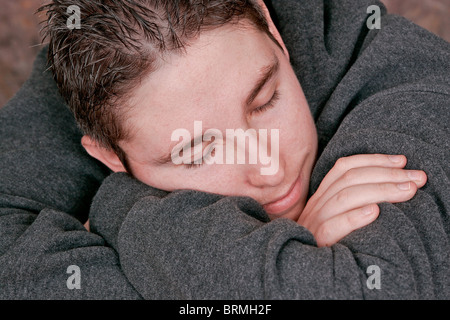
(216, 83)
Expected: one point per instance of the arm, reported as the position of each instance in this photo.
(387, 93)
(46, 185)
(195, 245)
(110, 226)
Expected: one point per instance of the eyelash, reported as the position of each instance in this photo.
(268, 105)
(195, 165)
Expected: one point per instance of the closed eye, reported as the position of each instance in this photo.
(209, 152)
(268, 105)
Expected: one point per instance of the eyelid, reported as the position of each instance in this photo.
(275, 97)
(209, 148)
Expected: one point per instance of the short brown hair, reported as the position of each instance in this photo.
(97, 66)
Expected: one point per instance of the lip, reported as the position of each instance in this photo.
(287, 201)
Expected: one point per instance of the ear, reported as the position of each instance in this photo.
(272, 27)
(106, 156)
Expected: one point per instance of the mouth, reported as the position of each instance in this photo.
(287, 201)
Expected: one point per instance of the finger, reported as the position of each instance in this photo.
(335, 229)
(367, 175)
(362, 195)
(358, 161)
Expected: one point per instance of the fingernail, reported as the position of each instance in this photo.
(367, 210)
(396, 159)
(404, 186)
(414, 175)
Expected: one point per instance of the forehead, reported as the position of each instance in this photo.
(209, 82)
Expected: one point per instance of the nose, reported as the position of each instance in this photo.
(266, 175)
(256, 179)
(264, 170)
(258, 154)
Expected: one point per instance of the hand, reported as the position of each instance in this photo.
(347, 198)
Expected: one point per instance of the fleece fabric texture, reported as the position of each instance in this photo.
(370, 91)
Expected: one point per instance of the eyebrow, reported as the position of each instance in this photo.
(267, 73)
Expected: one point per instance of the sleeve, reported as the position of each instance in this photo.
(45, 194)
(381, 92)
(193, 245)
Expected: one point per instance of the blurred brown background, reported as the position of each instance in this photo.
(20, 38)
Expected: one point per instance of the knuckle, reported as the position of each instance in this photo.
(351, 221)
(384, 188)
(323, 233)
(342, 196)
(349, 176)
(395, 174)
(341, 164)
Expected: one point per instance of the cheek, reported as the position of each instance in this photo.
(298, 135)
(298, 125)
(156, 177)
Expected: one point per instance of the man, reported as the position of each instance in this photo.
(227, 240)
(221, 68)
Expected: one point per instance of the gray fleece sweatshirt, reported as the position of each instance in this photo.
(370, 91)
